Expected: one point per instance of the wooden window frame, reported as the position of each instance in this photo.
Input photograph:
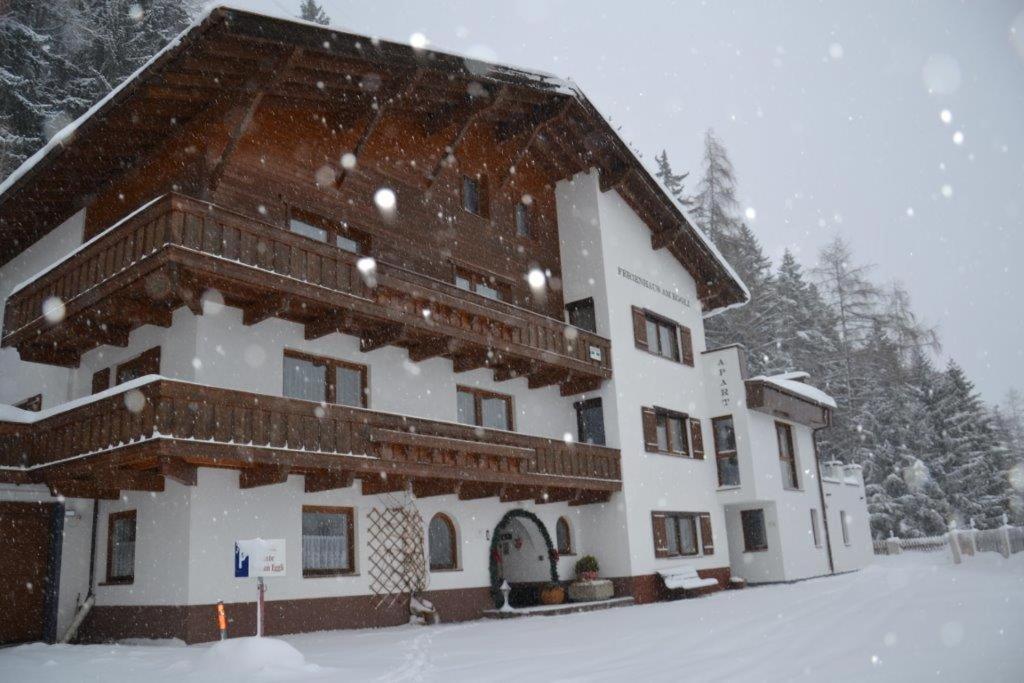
(111, 520)
(477, 277)
(332, 228)
(331, 379)
(101, 380)
(32, 403)
(569, 549)
(721, 454)
(579, 407)
(650, 417)
(681, 334)
(483, 207)
(453, 564)
(149, 360)
(702, 533)
(747, 548)
(581, 304)
(478, 396)
(350, 534)
(795, 483)
(815, 529)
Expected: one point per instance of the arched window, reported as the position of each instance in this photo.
(441, 541)
(563, 537)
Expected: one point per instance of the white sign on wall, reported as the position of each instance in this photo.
(257, 557)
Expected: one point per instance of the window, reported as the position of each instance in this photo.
(787, 458)
(755, 538)
(484, 408)
(147, 363)
(524, 220)
(441, 543)
(474, 195)
(844, 522)
(582, 314)
(725, 451)
(676, 533)
(328, 541)
(815, 532)
(563, 537)
(329, 380)
(590, 421)
(121, 547)
(325, 230)
(664, 431)
(484, 285)
(662, 337)
(33, 403)
(100, 380)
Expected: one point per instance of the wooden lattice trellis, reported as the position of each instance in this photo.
(397, 563)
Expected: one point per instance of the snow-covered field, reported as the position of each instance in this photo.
(907, 618)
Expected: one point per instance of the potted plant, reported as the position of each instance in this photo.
(552, 594)
(587, 568)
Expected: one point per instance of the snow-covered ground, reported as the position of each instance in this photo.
(907, 618)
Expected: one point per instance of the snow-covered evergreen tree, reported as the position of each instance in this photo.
(310, 10)
(672, 181)
(715, 203)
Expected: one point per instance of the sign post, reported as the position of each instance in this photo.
(259, 557)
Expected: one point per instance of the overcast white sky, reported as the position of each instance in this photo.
(831, 112)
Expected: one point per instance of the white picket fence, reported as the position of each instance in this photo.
(1005, 540)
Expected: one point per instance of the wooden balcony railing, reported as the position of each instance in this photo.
(131, 436)
(168, 253)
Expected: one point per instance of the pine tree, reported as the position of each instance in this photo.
(672, 182)
(310, 10)
(974, 463)
(715, 203)
(805, 330)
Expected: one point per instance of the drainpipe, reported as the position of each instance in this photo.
(821, 494)
(90, 597)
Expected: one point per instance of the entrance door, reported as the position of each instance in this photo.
(24, 570)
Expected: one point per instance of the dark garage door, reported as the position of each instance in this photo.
(25, 567)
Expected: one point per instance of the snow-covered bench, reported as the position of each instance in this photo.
(685, 578)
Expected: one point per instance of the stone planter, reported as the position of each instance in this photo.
(590, 591)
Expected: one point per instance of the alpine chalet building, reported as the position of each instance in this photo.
(425, 321)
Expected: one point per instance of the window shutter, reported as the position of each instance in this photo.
(705, 534)
(101, 380)
(660, 534)
(650, 423)
(686, 339)
(639, 328)
(696, 438)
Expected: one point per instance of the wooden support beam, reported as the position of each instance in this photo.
(476, 108)
(471, 360)
(590, 497)
(267, 307)
(525, 149)
(472, 490)
(49, 355)
(432, 348)
(425, 488)
(262, 475)
(579, 385)
(664, 238)
(328, 324)
(558, 496)
(82, 489)
(180, 471)
(381, 336)
(135, 313)
(613, 175)
(513, 494)
(545, 377)
(374, 484)
(513, 369)
(326, 481)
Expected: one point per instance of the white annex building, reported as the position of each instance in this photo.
(427, 324)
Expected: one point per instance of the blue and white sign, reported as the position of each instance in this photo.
(259, 557)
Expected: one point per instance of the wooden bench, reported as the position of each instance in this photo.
(685, 578)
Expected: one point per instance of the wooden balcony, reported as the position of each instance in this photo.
(167, 254)
(132, 437)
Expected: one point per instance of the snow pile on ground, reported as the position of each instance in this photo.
(910, 617)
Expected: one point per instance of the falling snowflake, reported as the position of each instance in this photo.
(53, 309)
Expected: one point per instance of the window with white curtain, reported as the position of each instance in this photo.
(304, 379)
(327, 543)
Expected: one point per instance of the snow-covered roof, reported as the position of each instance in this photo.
(791, 384)
(500, 72)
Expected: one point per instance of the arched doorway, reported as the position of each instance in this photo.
(523, 555)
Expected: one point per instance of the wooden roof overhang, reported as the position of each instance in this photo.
(102, 447)
(769, 398)
(233, 60)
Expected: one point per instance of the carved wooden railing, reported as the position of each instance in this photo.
(228, 427)
(237, 248)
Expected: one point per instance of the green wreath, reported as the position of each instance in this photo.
(552, 553)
